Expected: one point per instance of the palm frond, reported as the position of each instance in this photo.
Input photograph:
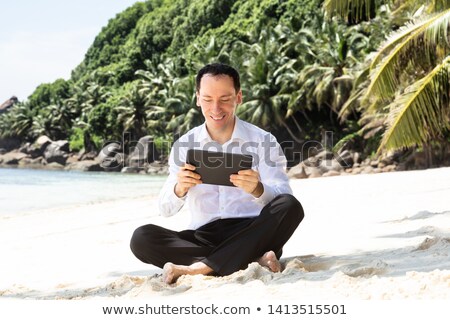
(384, 78)
(358, 8)
(422, 113)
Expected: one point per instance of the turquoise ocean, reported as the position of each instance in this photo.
(28, 190)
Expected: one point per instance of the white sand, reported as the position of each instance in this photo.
(383, 236)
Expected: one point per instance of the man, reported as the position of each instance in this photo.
(230, 226)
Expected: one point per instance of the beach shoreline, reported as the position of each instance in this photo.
(383, 236)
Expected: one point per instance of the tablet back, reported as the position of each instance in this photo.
(216, 167)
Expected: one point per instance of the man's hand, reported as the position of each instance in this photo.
(248, 180)
(187, 179)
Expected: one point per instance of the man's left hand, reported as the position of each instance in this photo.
(248, 180)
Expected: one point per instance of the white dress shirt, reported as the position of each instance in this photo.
(211, 202)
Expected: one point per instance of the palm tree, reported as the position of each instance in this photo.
(23, 120)
(328, 55)
(85, 99)
(266, 79)
(132, 111)
(353, 10)
(408, 84)
(171, 98)
(182, 105)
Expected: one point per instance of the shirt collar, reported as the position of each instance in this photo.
(239, 132)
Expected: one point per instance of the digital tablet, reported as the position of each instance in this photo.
(216, 167)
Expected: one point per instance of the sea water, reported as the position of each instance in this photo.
(28, 190)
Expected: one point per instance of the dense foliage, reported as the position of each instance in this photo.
(300, 69)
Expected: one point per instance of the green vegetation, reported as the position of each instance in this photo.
(307, 66)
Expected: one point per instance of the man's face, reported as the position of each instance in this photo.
(218, 99)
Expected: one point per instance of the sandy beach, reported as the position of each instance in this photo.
(377, 236)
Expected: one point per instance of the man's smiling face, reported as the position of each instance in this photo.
(218, 99)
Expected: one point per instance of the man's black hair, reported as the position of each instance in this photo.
(217, 69)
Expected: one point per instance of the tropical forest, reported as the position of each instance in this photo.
(373, 74)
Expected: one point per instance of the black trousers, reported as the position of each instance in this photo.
(225, 245)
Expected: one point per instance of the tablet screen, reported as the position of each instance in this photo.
(216, 167)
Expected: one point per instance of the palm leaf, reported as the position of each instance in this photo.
(384, 78)
(421, 113)
(356, 7)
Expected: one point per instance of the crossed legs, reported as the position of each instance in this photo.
(222, 246)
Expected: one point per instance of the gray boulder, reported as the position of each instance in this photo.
(37, 149)
(346, 159)
(297, 172)
(31, 162)
(12, 158)
(57, 152)
(111, 157)
(129, 170)
(144, 153)
(85, 165)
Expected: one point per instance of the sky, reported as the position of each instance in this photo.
(44, 40)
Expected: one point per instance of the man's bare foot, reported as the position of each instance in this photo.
(171, 272)
(270, 260)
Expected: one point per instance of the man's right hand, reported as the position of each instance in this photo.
(187, 179)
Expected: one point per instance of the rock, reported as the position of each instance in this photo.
(29, 162)
(38, 147)
(85, 165)
(8, 104)
(325, 155)
(327, 165)
(374, 163)
(54, 166)
(92, 155)
(130, 170)
(12, 158)
(24, 148)
(357, 170)
(2, 151)
(157, 168)
(314, 172)
(345, 159)
(377, 170)
(356, 158)
(311, 162)
(368, 169)
(111, 157)
(57, 152)
(381, 164)
(297, 172)
(389, 168)
(144, 153)
(331, 173)
(356, 165)
(63, 145)
(72, 159)
(43, 142)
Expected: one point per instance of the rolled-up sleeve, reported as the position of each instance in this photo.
(169, 202)
(272, 171)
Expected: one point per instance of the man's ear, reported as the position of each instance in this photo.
(239, 97)
(197, 95)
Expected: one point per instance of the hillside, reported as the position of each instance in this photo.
(303, 74)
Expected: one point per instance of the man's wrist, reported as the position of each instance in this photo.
(259, 190)
(178, 193)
